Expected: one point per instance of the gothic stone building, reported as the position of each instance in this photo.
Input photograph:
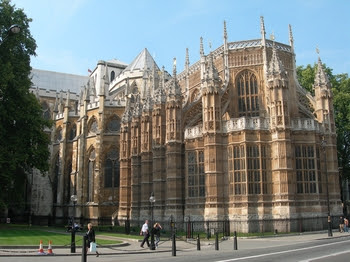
(233, 137)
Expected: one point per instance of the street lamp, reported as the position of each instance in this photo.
(74, 199)
(323, 145)
(152, 200)
(14, 29)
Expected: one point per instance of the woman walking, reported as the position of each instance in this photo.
(91, 238)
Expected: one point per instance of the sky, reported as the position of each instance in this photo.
(73, 35)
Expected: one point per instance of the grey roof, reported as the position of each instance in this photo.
(50, 80)
(116, 61)
(144, 58)
(258, 43)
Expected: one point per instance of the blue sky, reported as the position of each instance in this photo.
(73, 35)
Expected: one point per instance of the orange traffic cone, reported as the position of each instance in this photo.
(49, 249)
(41, 249)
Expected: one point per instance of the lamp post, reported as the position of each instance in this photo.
(329, 220)
(14, 29)
(152, 200)
(74, 199)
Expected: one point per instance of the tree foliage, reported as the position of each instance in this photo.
(23, 141)
(341, 102)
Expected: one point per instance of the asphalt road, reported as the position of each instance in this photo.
(275, 249)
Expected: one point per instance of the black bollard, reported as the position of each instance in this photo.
(153, 245)
(198, 243)
(216, 241)
(83, 251)
(174, 246)
(235, 241)
(72, 242)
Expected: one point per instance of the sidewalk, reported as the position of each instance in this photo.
(130, 246)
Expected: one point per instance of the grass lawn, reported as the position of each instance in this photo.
(18, 235)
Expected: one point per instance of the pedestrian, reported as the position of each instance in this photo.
(157, 227)
(346, 225)
(341, 224)
(90, 235)
(145, 232)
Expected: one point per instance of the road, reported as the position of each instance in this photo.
(275, 249)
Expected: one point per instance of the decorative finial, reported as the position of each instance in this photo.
(317, 50)
(225, 32)
(210, 46)
(187, 62)
(272, 37)
(201, 50)
(174, 66)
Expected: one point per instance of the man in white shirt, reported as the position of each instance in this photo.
(145, 232)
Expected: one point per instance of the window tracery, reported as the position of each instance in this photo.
(248, 99)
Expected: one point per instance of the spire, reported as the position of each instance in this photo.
(225, 39)
(174, 90)
(201, 49)
(262, 29)
(187, 62)
(275, 66)
(321, 78)
(225, 32)
(291, 40)
(276, 73)
(212, 73)
(211, 77)
(174, 67)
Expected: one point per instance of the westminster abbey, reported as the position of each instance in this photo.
(233, 137)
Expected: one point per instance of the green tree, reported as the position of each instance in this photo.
(23, 142)
(341, 102)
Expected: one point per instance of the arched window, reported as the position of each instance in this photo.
(58, 135)
(114, 124)
(73, 132)
(196, 174)
(112, 169)
(248, 99)
(93, 126)
(112, 76)
(90, 178)
(46, 111)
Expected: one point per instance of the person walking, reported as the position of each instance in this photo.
(346, 224)
(341, 224)
(90, 235)
(157, 227)
(145, 232)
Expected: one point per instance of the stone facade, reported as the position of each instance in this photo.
(233, 137)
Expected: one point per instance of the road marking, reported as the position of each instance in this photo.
(331, 255)
(281, 252)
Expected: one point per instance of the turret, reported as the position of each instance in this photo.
(324, 99)
(277, 82)
(211, 98)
